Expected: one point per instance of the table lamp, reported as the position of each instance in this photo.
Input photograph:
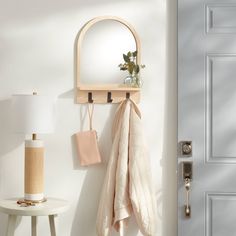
(33, 114)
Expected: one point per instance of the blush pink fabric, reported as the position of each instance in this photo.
(128, 187)
(87, 146)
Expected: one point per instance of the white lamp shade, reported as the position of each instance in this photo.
(33, 114)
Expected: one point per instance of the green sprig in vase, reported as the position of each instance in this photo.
(133, 79)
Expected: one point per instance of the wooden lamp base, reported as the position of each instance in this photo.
(34, 171)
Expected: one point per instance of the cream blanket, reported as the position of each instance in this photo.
(127, 186)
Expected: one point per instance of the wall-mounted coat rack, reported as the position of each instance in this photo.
(104, 93)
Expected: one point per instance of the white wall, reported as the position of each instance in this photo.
(36, 53)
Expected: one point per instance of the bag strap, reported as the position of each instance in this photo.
(90, 108)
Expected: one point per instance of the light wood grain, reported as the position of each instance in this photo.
(101, 96)
(107, 87)
(34, 170)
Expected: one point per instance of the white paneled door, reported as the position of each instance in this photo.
(206, 118)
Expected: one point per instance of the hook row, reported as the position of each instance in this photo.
(109, 97)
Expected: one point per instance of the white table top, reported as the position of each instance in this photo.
(52, 206)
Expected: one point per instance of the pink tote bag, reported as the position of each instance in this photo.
(87, 144)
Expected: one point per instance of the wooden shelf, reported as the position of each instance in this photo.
(107, 87)
(105, 93)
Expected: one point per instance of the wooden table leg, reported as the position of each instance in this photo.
(34, 225)
(52, 225)
(11, 225)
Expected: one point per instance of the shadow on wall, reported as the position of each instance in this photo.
(12, 11)
(87, 206)
(88, 202)
(89, 197)
(86, 210)
(8, 141)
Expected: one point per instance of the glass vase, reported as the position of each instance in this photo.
(133, 81)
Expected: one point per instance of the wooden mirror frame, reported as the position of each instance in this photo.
(104, 93)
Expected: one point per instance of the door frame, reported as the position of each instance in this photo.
(169, 177)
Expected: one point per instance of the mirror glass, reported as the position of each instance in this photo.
(102, 51)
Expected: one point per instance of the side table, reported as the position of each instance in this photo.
(50, 208)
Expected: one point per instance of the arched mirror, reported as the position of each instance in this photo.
(100, 48)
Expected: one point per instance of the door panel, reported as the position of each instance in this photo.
(220, 224)
(207, 115)
(221, 18)
(221, 69)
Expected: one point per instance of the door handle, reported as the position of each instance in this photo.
(187, 207)
(187, 177)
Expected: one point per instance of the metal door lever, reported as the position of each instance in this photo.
(187, 207)
(187, 177)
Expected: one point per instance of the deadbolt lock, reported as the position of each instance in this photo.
(186, 148)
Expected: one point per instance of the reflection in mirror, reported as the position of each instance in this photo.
(101, 52)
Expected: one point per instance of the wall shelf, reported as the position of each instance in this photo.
(104, 93)
(107, 87)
